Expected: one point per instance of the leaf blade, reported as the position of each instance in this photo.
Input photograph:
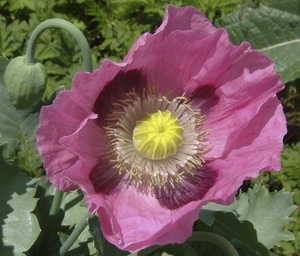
(273, 29)
(19, 225)
(18, 133)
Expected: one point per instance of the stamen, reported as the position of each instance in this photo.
(156, 140)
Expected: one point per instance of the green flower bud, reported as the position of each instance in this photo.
(25, 83)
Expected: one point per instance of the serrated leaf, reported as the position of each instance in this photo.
(47, 243)
(81, 245)
(269, 213)
(54, 69)
(47, 50)
(16, 5)
(212, 8)
(274, 29)
(19, 226)
(6, 38)
(18, 134)
(74, 211)
(260, 208)
(240, 233)
(207, 212)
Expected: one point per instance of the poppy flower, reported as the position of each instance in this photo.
(183, 120)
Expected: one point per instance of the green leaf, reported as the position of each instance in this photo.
(240, 233)
(274, 29)
(260, 208)
(20, 227)
(7, 42)
(74, 210)
(207, 212)
(214, 8)
(18, 133)
(82, 246)
(15, 5)
(47, 243)
(289, 176)
(3, 64)
(290, 159)
(185, 249)
(54, 69)
(269, 213)
(102, 246)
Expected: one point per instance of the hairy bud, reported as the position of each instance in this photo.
(25, 83)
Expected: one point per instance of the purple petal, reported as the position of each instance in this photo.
(193, 188)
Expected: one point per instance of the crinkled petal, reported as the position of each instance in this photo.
(240, 97)
(55, 124)
(257, 148)
(234, 86)
(184, 18)
(142, 221)
(87, 141)
(202, 55)
(176, 19)
(64, 117)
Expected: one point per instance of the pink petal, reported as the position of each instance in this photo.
(50, 131)
(86, 142)
(256, 148)
(234, 86)
(64, 117)
(176, 19)
(202, 55)
(142, 221)
(239, 100)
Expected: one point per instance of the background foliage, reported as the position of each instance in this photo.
(111, 27)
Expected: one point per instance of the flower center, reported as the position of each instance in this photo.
(157, 135)
(155, 141)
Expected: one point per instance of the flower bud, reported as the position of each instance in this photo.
(25, 83)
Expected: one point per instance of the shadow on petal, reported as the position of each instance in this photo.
(105, 177)
(122, 84)
(193, 188)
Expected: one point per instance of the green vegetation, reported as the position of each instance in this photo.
(111, 27)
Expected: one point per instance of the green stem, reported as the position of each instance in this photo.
(69, 27)
(56, 202)
(74, 235)
(216, 239)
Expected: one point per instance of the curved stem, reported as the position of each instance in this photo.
(216, 239)
(69, 27)
(74, 235)
(56, 202)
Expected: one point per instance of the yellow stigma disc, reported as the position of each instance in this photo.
(157, 135)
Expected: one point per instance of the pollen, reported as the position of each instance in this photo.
(155, 140)
(158, 135)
